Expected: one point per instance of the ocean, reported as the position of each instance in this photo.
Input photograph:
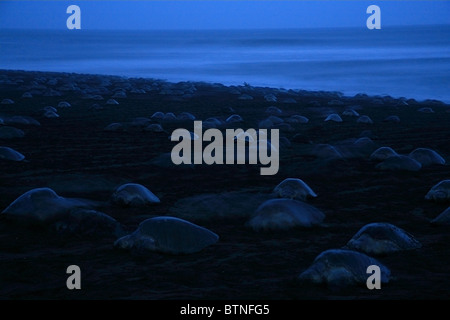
(412, 62)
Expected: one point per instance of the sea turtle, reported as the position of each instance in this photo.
(234, 118)
(64, 104)
(7, 153)
(364, 119)
(294, 119)
(426, 157)
(401, 103)
(383, 153)
(133, 195)
(333, 117)
(88, 222)
(168, 235)
(275, 119)
(245, 136)
(98, 97)
(186, 116)
(294, 188)
(42, 206)
(169, 116)
(120, 94)
(440, 192)
(96, 107)
(50, 115)
(140, 122)
(49, 108)
(270, 98)
(382, 238)
(393, 118)
(21, 120)
(112, 102)
(326, 151)
(274, 110)
(284, 127)
(342, 268)
(10, 133)
(399, 163)
(211, 123)
(210, 207)
(426, 110)
(214, 121)
(443, 218)
(335, 103)
(7, 101)
(113, 127)
(350, 113)
(234, 90)
(158, 115)
(52, 82)
(281, 214)
(52, 93)
(289, 100)
(265, 124)
(154, 127)
(355, 148)
(377, 101)
(263, 143)
(138, 91)
(314, 104)
(364, 144)
(245, 97)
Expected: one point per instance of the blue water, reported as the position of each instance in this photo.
(413, 62)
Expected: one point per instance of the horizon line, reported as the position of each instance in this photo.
(231, 29)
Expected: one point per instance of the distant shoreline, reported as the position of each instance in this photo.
(256, 87)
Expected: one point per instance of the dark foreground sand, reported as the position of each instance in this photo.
(74, 156)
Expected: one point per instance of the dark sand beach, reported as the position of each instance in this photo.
(77, 158)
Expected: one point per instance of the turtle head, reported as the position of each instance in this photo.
(126, 242)
(438, 195)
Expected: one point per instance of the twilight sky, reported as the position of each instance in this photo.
(209, 14)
